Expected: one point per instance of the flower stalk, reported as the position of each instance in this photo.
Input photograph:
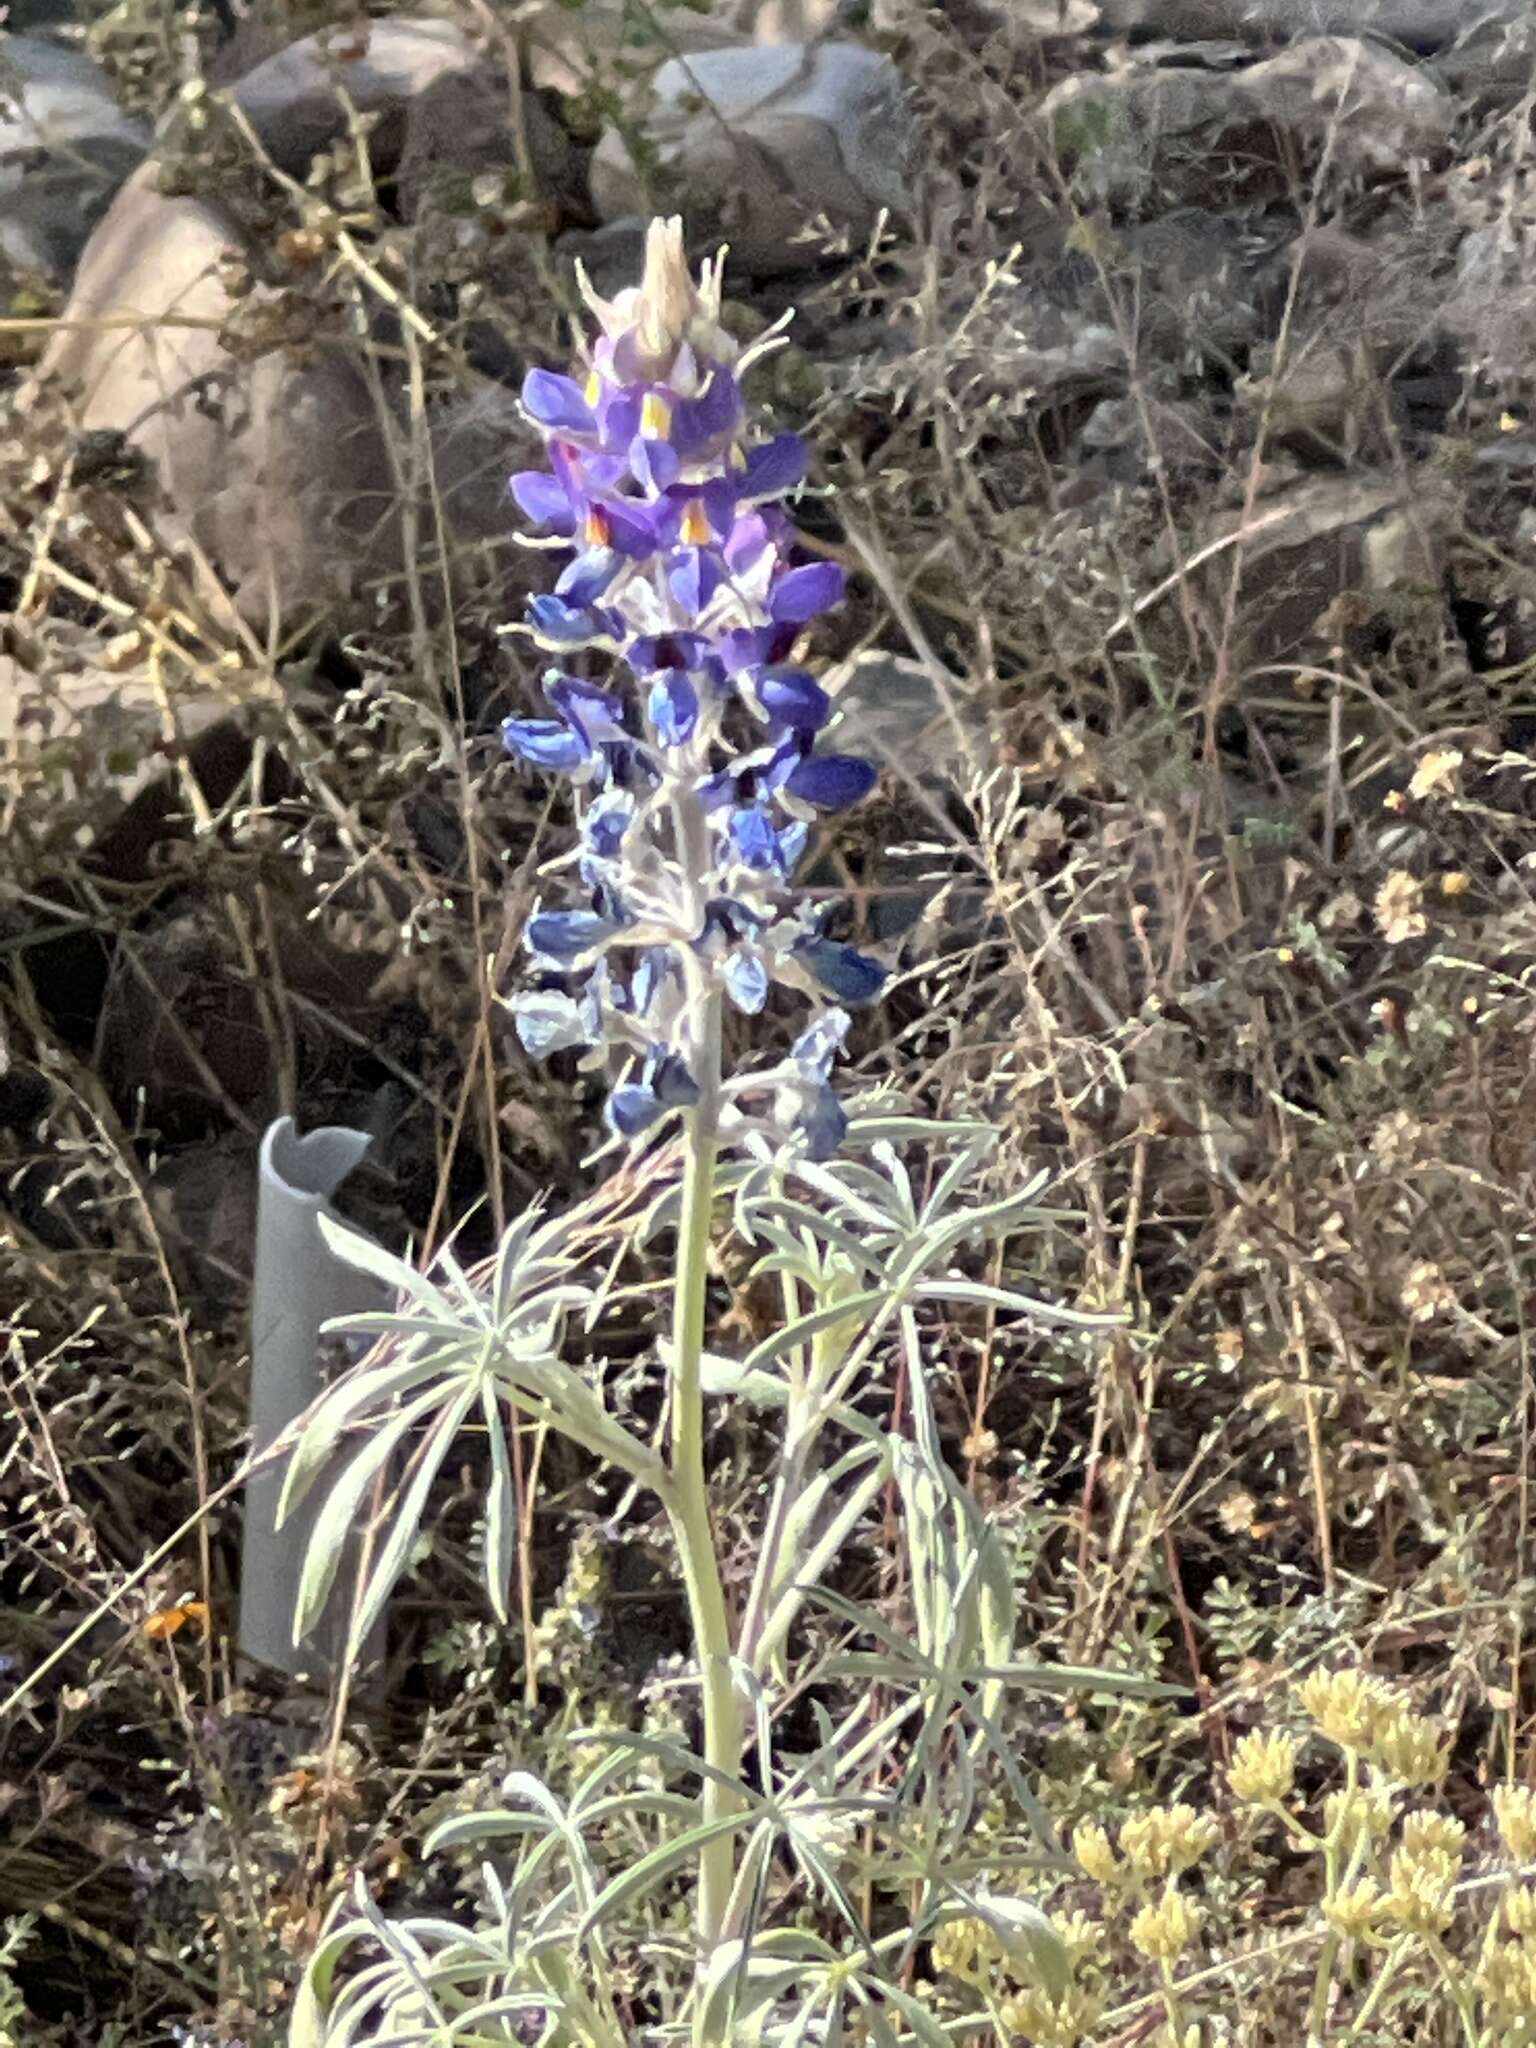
(696, 791)
(688, 1494)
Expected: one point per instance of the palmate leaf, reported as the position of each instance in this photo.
(339, 1516)
(407, 1519)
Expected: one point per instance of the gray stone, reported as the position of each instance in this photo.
(1148, 131)
(276, 469)
(760, 142)
(65, 147)
(297, 100)
(1422, 24)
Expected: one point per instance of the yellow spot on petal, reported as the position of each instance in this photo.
(594, 388)
(655, 417)
(695, 528)
(595, 529)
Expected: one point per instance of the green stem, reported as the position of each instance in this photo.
(688, 1493)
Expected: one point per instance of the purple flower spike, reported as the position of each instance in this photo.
(557, 403)
(805, 593)
(679, 559)
(832, 782)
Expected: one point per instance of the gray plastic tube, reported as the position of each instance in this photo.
(299, 1284)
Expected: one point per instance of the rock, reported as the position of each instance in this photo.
(204, 1197)
(759, 142)
(1145, 131)
(1369, 538)
(277, 469)
(1421, 24)
(458, 127)
(891, 708)
(65, 147)
(1367, 103)
(571, 50)
(298, 99)
(1122, 438)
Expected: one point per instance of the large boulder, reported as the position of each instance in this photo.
(1145, 133)
(762, 141)
(274, 462)
(276, 469)
(65, 147)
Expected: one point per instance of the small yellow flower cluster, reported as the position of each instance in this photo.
(1055, 2016)
(1263, 1768)
(967, 1949)
(1356, 1910)
(1362, 1815)
(1423, 1874)
(1167, 1929)
(1505, 1982)
(1051, 2022)
(1514, 1810)
(1162, 1842)
(1369, 1719)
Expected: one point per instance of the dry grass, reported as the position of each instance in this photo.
(1236, 934)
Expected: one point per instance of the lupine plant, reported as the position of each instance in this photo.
(728, 1880)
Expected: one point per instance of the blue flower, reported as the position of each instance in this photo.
(636, 1105)
(824, 1123)
(558, 624)
(557, 402)
(590, 576)
(546, 743)
(549, 1022)
(607, 819)
(850, 975)
(832, 782)
(788, 696)
(595, 713)
(745, 975)
(773, 467)
(545, 500)
(672, 707)
(567, 934)
(803, 594)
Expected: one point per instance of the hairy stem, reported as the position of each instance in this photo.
(688, 1493)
